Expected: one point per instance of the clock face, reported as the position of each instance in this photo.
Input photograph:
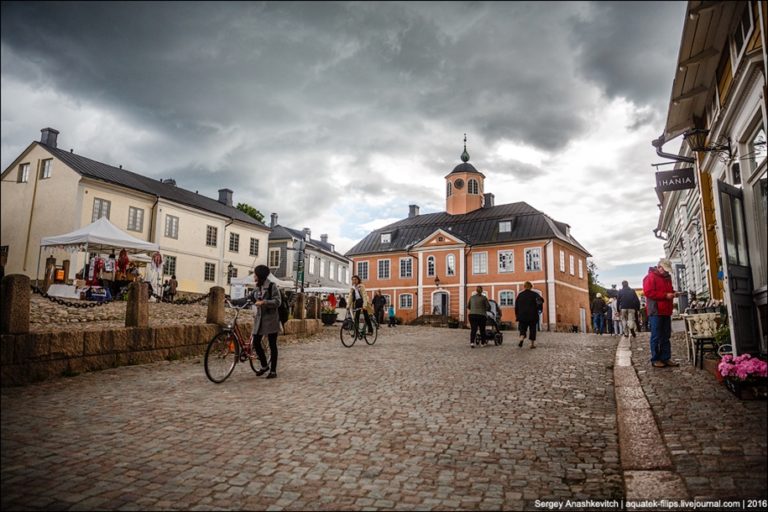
(459, 184)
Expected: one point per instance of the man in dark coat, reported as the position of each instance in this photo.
(379, 301)
(598, 308)
(628, 304)
(527, 307)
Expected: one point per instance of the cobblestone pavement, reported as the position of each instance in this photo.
(417, 421)
(717, 442)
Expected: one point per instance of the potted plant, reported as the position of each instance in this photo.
(453, 323)
(328, 314)
(745, 376)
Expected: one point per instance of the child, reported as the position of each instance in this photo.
(391, 313)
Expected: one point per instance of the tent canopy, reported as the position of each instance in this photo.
(250, 281)
(327, 289)
(101, 235)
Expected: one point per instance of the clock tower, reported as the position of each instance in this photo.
(464, 187)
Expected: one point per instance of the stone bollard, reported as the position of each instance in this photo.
(299, 312)
(216, 306)
(312, 307)
(137, 310)
(14, 308)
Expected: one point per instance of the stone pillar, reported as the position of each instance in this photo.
(15, 294)
(299, 311)
(137, 309)
(216, 306)
(312, 303)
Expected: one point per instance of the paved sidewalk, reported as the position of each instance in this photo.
(417, 421)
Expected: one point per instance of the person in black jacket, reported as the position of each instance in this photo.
(628, 304)
(598, 313)
(527, 307)
(379, 302)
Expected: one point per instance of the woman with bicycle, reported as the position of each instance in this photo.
(359, 300)
(266, 321)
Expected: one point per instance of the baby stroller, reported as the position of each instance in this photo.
(492, 323)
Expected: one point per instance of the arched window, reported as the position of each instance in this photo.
(431, 266)
(450, 265)
(448, 189)
(473, 187)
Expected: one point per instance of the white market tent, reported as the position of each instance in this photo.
(98, 236)
(327, 289)
(249, 280)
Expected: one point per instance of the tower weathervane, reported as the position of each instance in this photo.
(465, 155)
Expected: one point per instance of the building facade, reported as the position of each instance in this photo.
(432, 263)
(47, 191)
(716, 231)
(323, 266)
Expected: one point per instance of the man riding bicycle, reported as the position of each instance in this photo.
(359, 299)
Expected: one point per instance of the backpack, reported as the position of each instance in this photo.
(283, 311)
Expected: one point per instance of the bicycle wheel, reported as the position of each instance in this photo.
(371, 338)
(347, 333)
(255, 363)
(221, 357)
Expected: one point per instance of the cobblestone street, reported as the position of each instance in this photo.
(417, 421)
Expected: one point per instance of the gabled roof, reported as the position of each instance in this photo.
(283, 233)
(479, 227)
(110, 174)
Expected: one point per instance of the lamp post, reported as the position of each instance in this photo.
(230, 269)
(437, 282)
(697, 141)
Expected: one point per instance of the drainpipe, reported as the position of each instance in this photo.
(223, 243)
(658, 143)
(152, 227)
(417, 271)
(463, 303)
(29, 226)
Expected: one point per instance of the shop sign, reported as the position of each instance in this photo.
(679, 179)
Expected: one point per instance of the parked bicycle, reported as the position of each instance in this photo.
(350, 332)
(228, 347)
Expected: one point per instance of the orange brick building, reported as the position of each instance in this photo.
(432, 263)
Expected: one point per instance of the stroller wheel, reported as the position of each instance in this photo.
(498, 338)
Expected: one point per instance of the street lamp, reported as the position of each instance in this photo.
(230, 270)
(697, 141)
(437, 281)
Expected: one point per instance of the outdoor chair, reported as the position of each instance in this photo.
(700, 335)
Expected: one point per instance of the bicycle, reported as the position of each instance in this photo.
(350, 333)
(228, 347)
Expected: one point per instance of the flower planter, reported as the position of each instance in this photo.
(328, 318)
(748, 389)
(711, 366)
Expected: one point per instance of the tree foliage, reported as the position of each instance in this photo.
(250, 211)
(594, 285)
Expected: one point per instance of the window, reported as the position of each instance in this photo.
(135, 219)
(383, 269)
(338, 272)
(231, 275)
(533, 259)
(254, 250)
(507, 298)
(331, 271)
(505, 226)
(344, 275)
(171, 226)
(388, 298)
(473, 187)
(581, 269)
(570, 264)
(448, 189)
(169, 265)
(506, 261)
(480, 263)
(100, 209)
(45, 169)
(362, 270)
(210, 272)
(406, 301)
(211, 234)
(562, 261)
(321, 264)
(234, 242)
(311, 264)
(431, 266)
(742, 32)
(756, 149)
(23, 173)
(450, 265)
(406, 267)
(274, 258)
(386, 238)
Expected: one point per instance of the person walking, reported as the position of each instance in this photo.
(391, 312)
(527, 308)
(379, 303)
(615, 317)
(266, 321)
(173, 286)
(659, 293)
(628, 304)
(598, 313)
(478, 310)
(358, 298)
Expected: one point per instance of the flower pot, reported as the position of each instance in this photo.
(328, 318)
(711, 366)
(748, 389)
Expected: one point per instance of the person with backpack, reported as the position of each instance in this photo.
(267, 301)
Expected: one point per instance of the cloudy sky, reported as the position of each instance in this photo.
(337, 116)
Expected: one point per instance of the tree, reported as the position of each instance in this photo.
(250, 211)
(594, 285)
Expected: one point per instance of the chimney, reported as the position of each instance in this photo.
(324, 238)
(171, 181)
(273, 220)
(488, 200)
(307, 234)
(225, 196)
(413, 210)
(49, 137)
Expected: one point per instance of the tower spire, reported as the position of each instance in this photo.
(465, 155)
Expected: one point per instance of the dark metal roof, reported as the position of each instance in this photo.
(465, 167)
(479, 227)
(283, 233)
(103, 172)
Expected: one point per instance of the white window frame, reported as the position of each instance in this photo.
(433, 268)
(532, 250)
(738, 53)
(450, 265)
(135, 219)
(172, 227)
(386, 238)
(332, 271)
(562, 261)
(448, 189)
(274, 258)
(234, 237)
(387, 264)
(470, 186)
(571, 265)
(363, 275)
(321, 265)
(480, 263)
(97, 213)
(511, 266)
(409, 298)
(344, 275)
(408, 262)
(501, 302)
(581, 268)
(505, 226)
(338, 272)
(169, 265)
(209, 268)
(45, 168)
(211, 241)
(311, 264)
(23, 176)
(253, 245)
(388, 298)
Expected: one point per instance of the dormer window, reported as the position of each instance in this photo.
(473, 187)
(386, 238)
(505, 226)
